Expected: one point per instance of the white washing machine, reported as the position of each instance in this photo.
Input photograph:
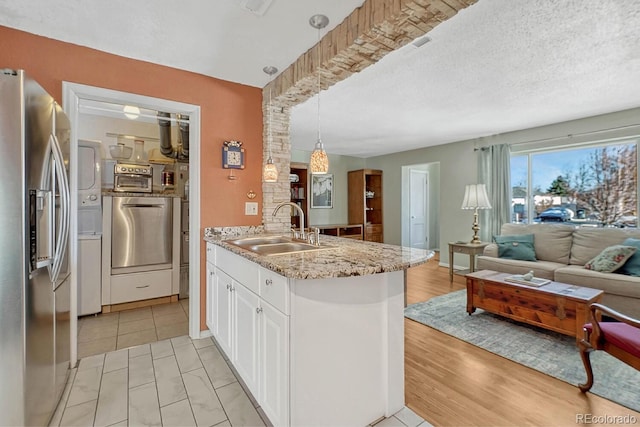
(90, 155)
(89, 274)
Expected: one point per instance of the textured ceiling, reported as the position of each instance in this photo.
(497, 66)
(217, 38)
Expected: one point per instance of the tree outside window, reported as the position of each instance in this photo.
(596, 185)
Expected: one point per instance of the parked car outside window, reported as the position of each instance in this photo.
(556, 214)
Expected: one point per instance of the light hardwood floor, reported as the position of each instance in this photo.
(451, 383)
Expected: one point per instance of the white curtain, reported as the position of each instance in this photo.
(494, 164)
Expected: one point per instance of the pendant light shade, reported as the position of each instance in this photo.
(270, 171)
(319, 161)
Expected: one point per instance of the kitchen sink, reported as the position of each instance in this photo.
(276, 245)
(262, 240)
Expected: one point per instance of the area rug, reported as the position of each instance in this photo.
(551, 353)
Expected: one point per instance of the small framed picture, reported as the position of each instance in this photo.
(322, 191)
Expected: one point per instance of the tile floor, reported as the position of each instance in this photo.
(135, 371)
(113, 331)
(173, 382)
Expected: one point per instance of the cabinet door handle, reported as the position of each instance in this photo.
(259, 310)
(142, 287)
(228, 287)
(268, 282)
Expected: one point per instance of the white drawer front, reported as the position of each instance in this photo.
(211, 253)
(139, 286)
(240, 269)
(274, 289)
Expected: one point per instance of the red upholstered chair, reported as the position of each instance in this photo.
(620, 339)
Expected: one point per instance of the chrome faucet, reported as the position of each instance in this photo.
(301, 234)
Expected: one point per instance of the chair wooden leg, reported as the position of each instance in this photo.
(585, 353)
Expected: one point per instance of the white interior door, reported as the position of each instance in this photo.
(418, 219)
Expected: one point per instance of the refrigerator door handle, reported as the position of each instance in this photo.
(62, 231)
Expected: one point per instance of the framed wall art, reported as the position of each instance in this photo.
(322, 191)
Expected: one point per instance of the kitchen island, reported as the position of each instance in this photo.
(317, 337)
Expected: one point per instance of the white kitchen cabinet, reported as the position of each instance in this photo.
(211, 254)
(274, 364)
(246, 312)
(222, 319)
(210, 303)
(253, 333)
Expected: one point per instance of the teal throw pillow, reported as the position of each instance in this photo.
(611, 258)
(518, 247)
(632, 266)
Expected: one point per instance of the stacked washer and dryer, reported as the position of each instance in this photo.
(90, 154)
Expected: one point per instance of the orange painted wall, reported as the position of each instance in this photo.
(228, 111)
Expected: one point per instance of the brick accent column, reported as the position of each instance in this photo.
(363, 38)
(276, 192)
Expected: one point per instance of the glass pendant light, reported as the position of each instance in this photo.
(319, 161)
(270, 172)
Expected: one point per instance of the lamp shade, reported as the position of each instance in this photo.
(270, 172)
(475, 197)
(319, 161)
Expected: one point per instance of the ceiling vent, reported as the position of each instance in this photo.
(421, 41)
(257, 7)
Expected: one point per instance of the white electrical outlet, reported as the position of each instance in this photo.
(251, 208)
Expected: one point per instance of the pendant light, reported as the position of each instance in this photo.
(319, 162)
(270, 172)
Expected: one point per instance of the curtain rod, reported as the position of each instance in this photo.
(571, 135)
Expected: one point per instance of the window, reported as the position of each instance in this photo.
(591, 186)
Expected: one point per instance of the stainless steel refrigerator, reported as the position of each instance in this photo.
(34, 273)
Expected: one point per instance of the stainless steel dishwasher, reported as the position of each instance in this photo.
(141, 234)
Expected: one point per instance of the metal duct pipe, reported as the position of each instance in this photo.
(184, 133)
(165, 135)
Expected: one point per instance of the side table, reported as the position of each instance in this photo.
(471, 249)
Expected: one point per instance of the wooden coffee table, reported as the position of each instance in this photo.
(555, 306)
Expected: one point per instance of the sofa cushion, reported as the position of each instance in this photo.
(632, 266)
(589, 242)
(518, 247)
(552, 242)
(610, 283)
(611, 258)
(541, 269)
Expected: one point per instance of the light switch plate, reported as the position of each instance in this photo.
(251, 208)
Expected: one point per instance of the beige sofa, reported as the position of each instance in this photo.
(561, 253)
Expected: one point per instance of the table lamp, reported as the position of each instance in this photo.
(475, 197)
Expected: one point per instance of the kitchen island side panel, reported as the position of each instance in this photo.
(347, 349)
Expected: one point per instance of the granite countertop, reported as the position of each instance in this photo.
(130, 194)
(348, 257)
